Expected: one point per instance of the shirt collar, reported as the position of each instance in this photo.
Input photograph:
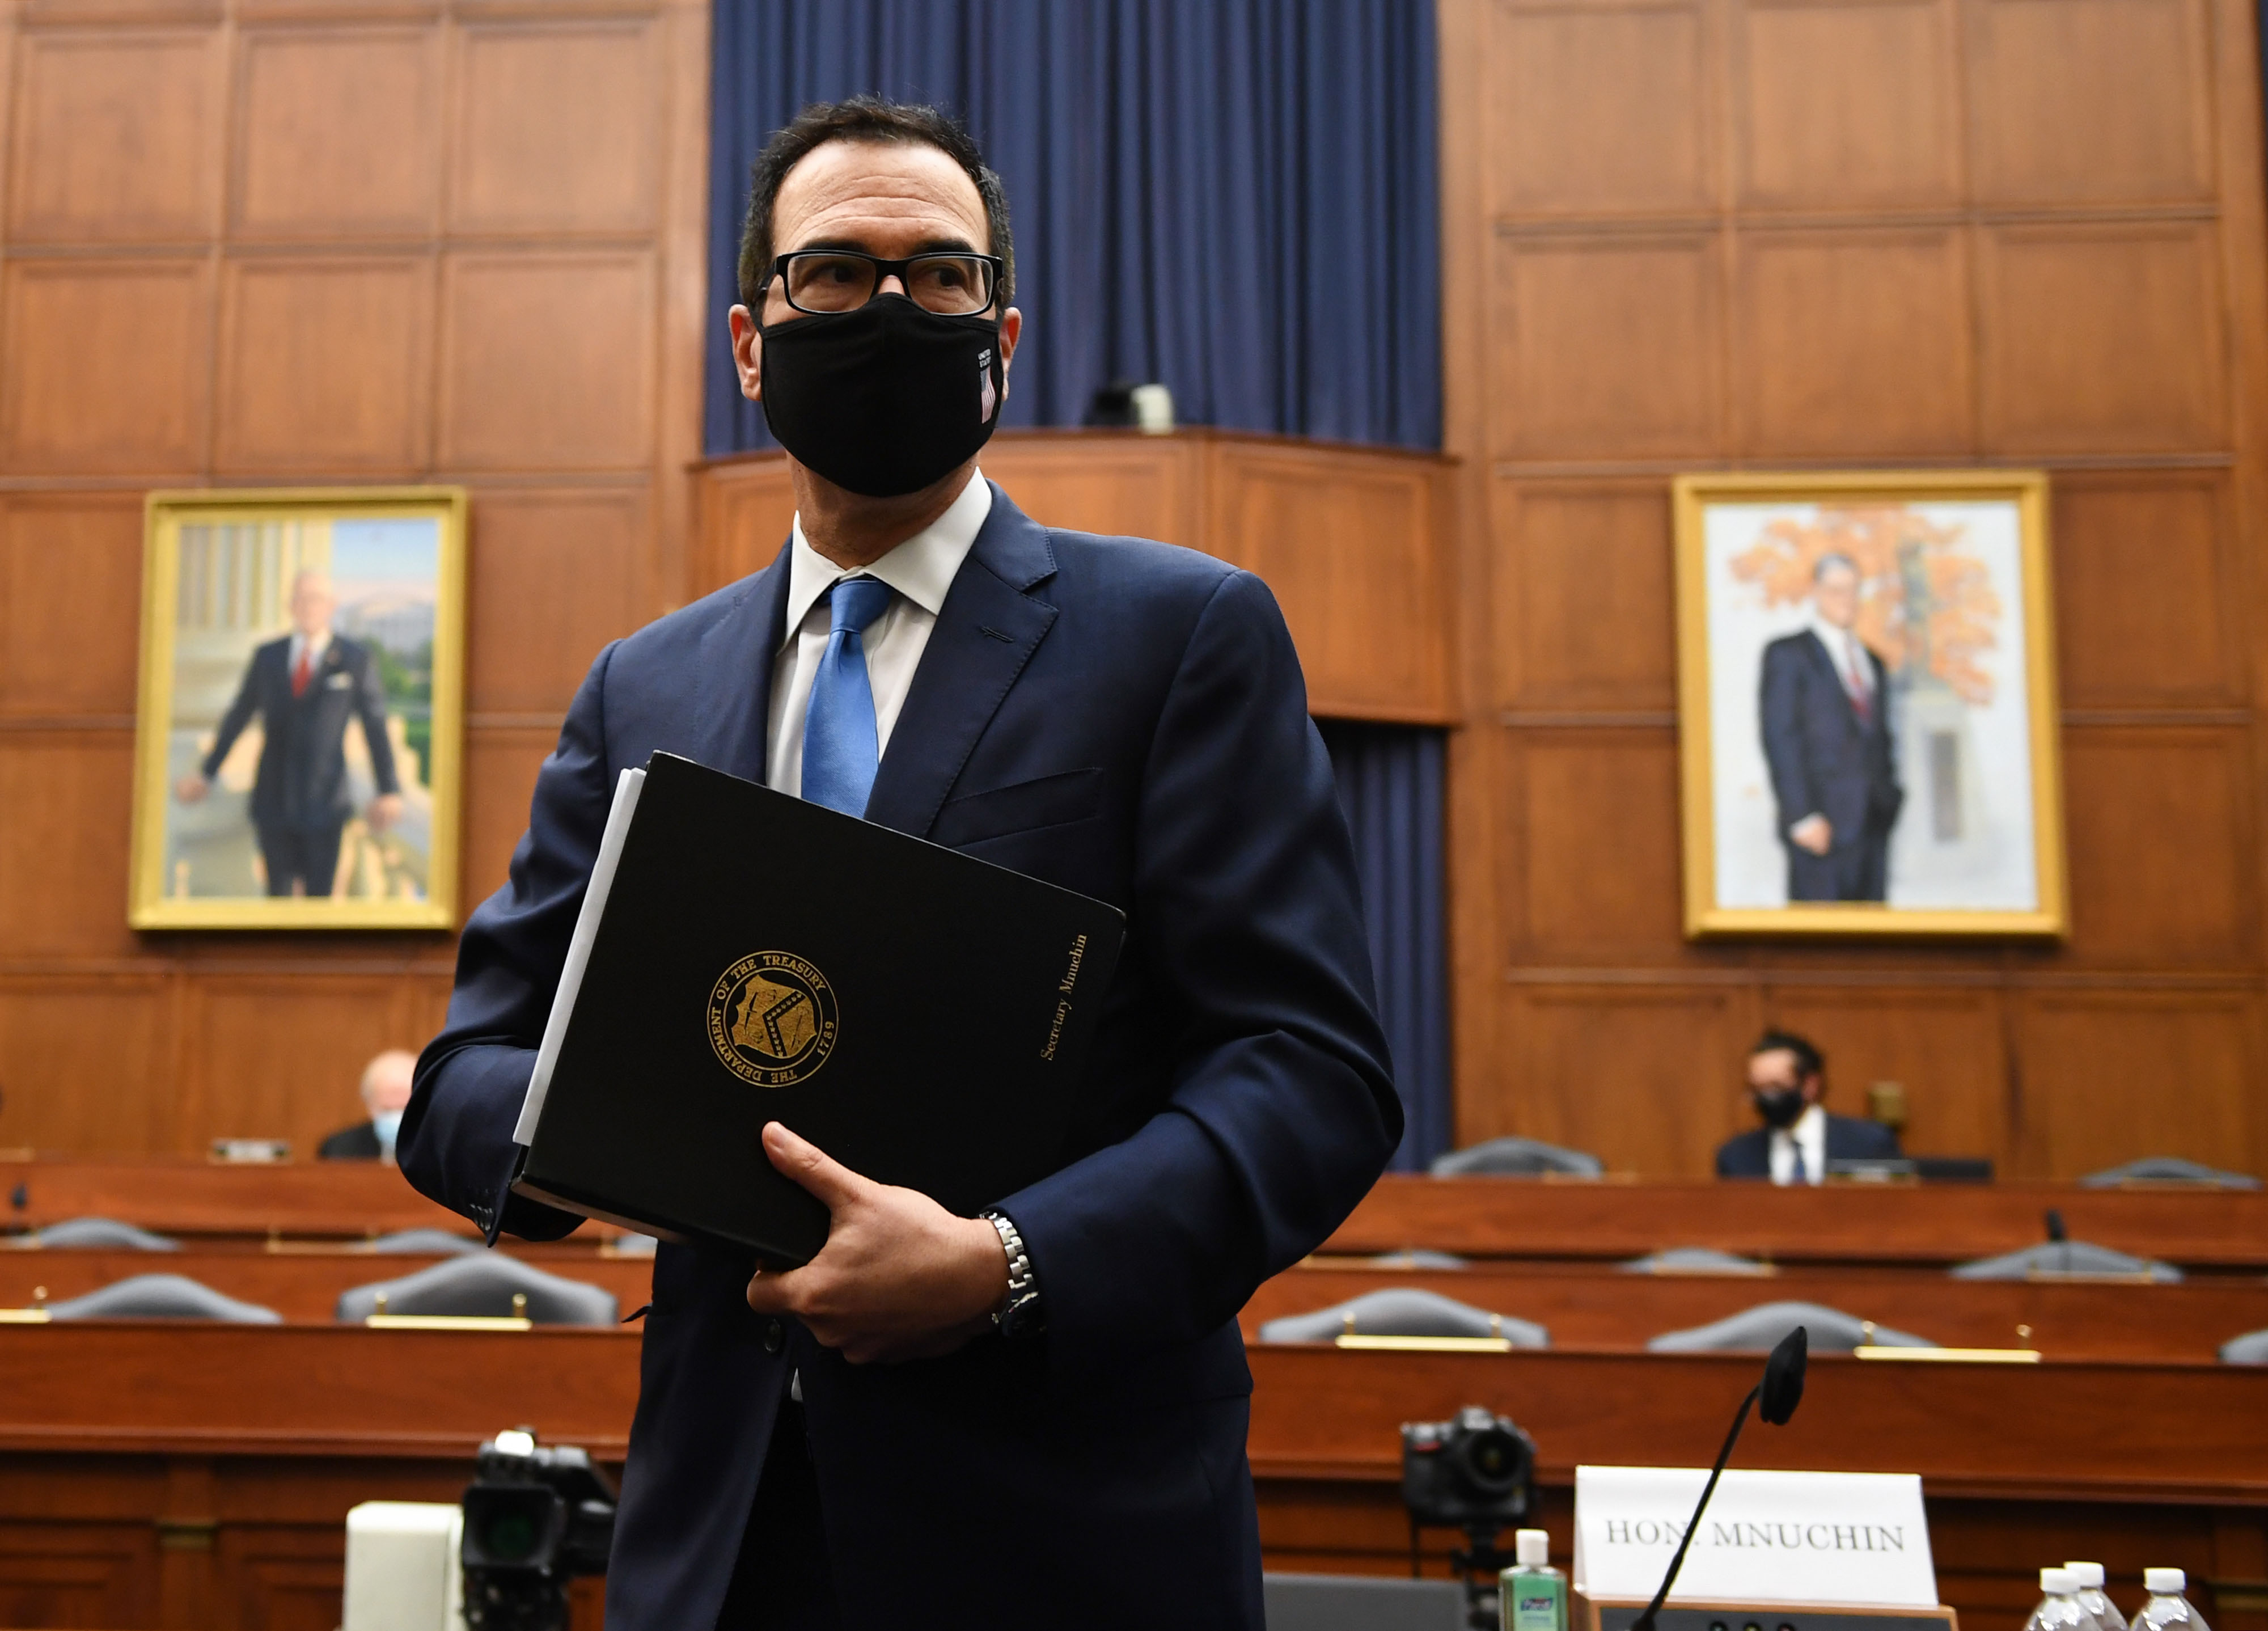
(922, 568)
(1838, 642)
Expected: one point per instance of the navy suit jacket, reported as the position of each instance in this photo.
(1123, 719)
(1748, 1156)
(302, 781)
(1825, 760)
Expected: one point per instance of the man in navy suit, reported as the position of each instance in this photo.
(1826, 718)
(305, 687)
(1037, 1416)
(1787, 1077)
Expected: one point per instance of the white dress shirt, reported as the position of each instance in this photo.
(313, 648)
(1848, 653)
(1809, 1134)
(920, 570)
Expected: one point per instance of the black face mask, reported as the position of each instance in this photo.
(1781, 1109)
(887, 399)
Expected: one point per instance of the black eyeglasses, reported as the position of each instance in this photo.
(950, 283)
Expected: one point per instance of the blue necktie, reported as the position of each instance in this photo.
(1802, 1175)
(841, 747)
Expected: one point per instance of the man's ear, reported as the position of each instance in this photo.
(749, 353)
(1012, 330)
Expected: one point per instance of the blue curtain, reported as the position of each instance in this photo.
(1390, 782)
(1234, 197)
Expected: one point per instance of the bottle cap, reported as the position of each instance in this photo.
(2086, 1575)
(2164, 1582)
(2058, 1582)
(1532, 1547)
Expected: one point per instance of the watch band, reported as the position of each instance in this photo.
(1018, 1313)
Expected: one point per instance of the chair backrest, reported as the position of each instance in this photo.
(2168, 1169)
(432, 1243)
(1516, 1157)
(2051, 1258)
(1694, 1260)
(1403, 1311)
(102, 1235)
(162, 1297)
(484, 1286)
(2252, 1348)
(636, 1246)
(1828, 1330)
(1361, 1603)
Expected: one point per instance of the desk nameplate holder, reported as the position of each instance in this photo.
(379, 1319)
(1618, 1613)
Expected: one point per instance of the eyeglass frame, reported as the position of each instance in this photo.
(884, 269)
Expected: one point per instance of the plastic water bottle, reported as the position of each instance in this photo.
(2059, 1609)
(1532, 1596)
(2167, 1610)
(2106, 1614)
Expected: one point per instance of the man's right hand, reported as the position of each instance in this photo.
(191, 788)
(1812, 833)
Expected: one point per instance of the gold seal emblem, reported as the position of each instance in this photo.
(772, 1020)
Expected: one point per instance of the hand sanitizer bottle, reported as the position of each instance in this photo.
(1532, 1596)
(2106, 1614)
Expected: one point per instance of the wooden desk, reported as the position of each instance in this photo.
(1592, 1306)
(302, 1285)
(1835, 1223)
(198, 1476)
(179, 1195)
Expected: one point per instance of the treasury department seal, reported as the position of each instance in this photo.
(772, 1018)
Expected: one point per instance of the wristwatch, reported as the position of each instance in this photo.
(1018, 1314)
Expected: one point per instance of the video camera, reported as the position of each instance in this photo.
(535, 1518)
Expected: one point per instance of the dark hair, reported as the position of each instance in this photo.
(864, 119)
(1808, 1059)
(1833, 557)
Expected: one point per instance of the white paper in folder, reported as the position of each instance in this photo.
(1851, 1538)
(578, 950)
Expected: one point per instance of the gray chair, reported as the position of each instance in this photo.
(99, 1235)
(2053, 1257)
(2252, 1348)
(1516, 1157)
(483, 1287)
(1403, 1311)
(162, 1297)
(1828, 1330)
(1694, 1260)
(2168, 1169)
(1360, 1603)
(636, 1246)
(434, 1242)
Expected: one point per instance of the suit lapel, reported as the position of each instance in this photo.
(733, 719)
(986, 631)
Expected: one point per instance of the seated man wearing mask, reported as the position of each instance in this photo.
(1786, 1079)
(385, 1095)
(1036, 1416)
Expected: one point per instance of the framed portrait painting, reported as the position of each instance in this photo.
(300, 739)
(1867, 706)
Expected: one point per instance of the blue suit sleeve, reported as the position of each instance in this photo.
(456, 1144)
(1245, 910)
(1780, 704)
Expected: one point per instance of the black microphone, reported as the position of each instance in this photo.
(2056, 1231)
(1781, 1391)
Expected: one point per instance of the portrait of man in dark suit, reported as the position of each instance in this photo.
(305, 688)
(1824, 701)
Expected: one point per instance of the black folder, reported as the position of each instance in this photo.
(744, 958)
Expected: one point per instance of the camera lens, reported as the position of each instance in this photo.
(1492, 1461)
(511, 1535)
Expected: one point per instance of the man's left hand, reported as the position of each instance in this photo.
(899, 1278)
(384, 811)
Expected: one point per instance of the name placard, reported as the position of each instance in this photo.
(1855, 1538)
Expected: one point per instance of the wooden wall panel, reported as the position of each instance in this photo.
(116, 133)
(338, 134)
(1849, 104)
(1656, 1047)
(548, 361)
(314, 245)
(326, 365)
(1817, 233)
(109, 365)
(70, 582)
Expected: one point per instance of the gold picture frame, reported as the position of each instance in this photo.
(338, 613)
(1955, 799)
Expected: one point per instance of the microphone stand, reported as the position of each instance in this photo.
(1644, 1622)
